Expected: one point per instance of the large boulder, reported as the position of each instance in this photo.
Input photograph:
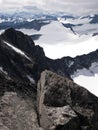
(64, 105)
(17, 113)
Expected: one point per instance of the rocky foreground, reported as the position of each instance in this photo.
(37, 93)
(58, 104)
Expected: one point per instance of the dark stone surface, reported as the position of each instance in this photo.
(56, 91)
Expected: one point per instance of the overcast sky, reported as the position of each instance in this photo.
(67, 6)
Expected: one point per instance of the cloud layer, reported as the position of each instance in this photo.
(67, 6)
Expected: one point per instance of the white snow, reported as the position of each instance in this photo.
(27, 31)
(30, 20)
(4, 72)
(88, 78)
(1, 31)
(87, 29)
(70, 63)
(17, 50)
(55, 33)
(69, 49)
(32, 81)
(59, 41)
(90, 83)
(93, 69)
(83, 71)
(75, 21)
(2, 20)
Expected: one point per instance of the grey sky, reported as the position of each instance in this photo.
(68, 6)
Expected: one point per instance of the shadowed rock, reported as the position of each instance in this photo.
(57, 96)
(17, 113)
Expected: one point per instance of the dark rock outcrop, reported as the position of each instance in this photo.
(18, 65)
(64, 105)
(17, 105)
(18, 39)
(94, 20)
(36, 62)
(17, 113)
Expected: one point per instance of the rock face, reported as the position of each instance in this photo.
(63, 105)
(17, 106)
(17, 113)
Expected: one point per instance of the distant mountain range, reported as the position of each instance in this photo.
(78, 25)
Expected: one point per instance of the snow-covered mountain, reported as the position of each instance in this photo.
(84, 25)
(59, 36)
(66, 32)
(20, 59)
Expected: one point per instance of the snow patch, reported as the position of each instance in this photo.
(32, 81)
(93, 69)
(83, 71)
(2, 71)
(2, 20)
(70, 63)
(30, 20)
(17, 50)
(1, 31)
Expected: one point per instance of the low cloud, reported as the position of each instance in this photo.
(77, 7)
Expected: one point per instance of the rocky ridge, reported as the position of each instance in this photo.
(35, 61)
(64, 105)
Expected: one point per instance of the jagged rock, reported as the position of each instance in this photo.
(55, 94)
(36, 61)
(17, 113)
(18, 39)
(13, 62)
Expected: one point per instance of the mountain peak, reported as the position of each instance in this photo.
(18, 39)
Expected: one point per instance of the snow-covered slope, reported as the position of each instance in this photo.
(81, 25)
(70, 49)
(55, 33)
(88, 78)
(61, 41)
(67, 41)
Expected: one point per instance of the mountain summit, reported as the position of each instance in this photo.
(38, 93)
